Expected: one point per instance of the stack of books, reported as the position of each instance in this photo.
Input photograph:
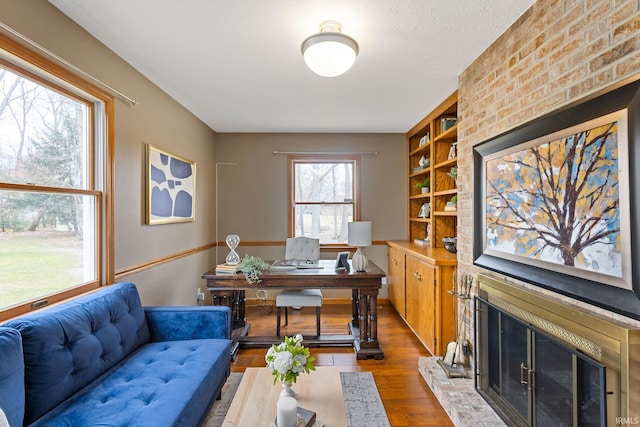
(227, 268)
(307, 417)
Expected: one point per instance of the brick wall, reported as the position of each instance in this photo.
(558, 52)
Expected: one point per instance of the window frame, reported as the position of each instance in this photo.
(292, 160)
(100, 164)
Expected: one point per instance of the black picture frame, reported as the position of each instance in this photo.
(625, 95)
(342, 262)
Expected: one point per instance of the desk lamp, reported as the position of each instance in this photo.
(359, 235)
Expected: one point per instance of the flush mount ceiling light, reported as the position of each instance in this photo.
(329, 53)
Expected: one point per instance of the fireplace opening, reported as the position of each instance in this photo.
(533, 379)
(541, 362)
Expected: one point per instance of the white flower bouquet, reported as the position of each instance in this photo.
(289, 359)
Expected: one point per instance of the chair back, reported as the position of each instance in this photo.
(302, 248)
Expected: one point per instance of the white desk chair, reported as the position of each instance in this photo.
(300, 248)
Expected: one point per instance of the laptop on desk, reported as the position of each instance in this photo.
(292, 264)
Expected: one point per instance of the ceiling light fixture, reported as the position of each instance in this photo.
(329, 53)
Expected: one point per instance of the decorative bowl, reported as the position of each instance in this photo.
(450, 244)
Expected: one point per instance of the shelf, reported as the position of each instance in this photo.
(422, 172)
(446, 192)
(420, 150)
(445, 213)
(449, 162)
(450, 133)
(442, 187)
(420, 196)
(425, 220)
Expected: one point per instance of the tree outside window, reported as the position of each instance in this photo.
(324, 197)
(50, 210)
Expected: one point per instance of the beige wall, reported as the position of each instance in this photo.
(555, 54)
(253, 194)
(256, 212)
(157, 119)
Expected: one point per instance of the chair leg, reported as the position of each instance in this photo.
(278, 310)
(286, 316)
(318, 321)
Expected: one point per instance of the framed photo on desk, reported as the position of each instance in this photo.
(342, 262)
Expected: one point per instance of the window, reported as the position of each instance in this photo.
(52, 173)
(324, 197)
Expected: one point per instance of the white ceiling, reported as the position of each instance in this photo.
(236, 64)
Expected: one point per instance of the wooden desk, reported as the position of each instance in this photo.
(229, 290)
(255, 402)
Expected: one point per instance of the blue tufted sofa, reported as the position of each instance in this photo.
(104, 360)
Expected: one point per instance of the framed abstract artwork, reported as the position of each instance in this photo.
(556, 201)
(171, 186)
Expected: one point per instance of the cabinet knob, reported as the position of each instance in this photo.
(417, 275)
(394, 261)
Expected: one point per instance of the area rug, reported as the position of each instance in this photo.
(361, 400)
(220, 407)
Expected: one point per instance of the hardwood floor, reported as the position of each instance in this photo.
(405, 395)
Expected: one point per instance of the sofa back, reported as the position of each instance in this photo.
(69, 345)
(11, 377)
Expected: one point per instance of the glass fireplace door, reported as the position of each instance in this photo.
(514, 361)
(532, 378)
(554, 367)
(568, 386)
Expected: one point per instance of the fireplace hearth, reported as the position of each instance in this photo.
(540, 362)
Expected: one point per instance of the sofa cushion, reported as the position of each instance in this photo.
(67, 346)
(164, 383)
(11, 377)
(188, 323)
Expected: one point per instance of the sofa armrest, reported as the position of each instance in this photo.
(175, 323)
(11, 377)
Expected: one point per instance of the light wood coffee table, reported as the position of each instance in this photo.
(254, 404)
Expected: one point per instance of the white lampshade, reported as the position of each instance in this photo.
(359, 233)
(329, 53)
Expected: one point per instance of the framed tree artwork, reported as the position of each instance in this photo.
(556, 201)
(171, 186)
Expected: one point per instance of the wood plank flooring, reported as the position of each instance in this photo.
(407, 399)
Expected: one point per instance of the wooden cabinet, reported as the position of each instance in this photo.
(429, 275)
(433, 157)
(421, 300)
(396, 280)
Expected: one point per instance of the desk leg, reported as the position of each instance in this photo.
(235, 300)
(363, 304)
(366, 344)
(355, 308)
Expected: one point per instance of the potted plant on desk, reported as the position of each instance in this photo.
(251, 266)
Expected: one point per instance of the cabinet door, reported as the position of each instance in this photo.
(395, 281)
(421, 300)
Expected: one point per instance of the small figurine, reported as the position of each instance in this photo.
(425, 210)
(453, 151)
(423, 162)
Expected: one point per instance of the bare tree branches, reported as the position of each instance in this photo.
(557, 199)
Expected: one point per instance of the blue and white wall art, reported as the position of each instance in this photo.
(171, 185)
